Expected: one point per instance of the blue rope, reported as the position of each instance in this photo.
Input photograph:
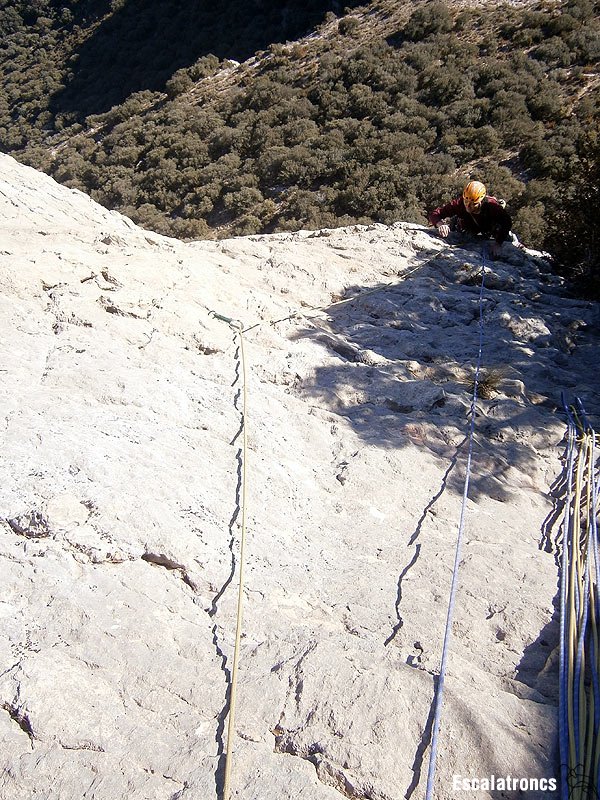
(583, 413)
(583, 604)
(454, 585)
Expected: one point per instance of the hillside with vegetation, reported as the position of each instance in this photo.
(255, 117)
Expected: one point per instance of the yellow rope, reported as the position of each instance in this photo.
(592, 513)
(578, 696)
(237, 326)
(590, 739)
(584, 758)
(572, 635)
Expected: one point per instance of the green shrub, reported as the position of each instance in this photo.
(247, 225)
(348, 26)
(553, 51)
(431, 18)
(530, 224)
(189, 229)
(329, 130)
(178, 84)
(573, 237)
(442, 86)
(243, 200)
(203, 67)
(546, 105)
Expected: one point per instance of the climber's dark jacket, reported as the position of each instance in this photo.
(492, 220)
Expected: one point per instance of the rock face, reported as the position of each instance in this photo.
(120, 514)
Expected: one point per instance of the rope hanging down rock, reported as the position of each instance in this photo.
(439, 694)
(240, 330)
(237, 326)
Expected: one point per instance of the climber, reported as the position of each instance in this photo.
(475, 212)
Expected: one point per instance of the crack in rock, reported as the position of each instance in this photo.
(331, 775)
(111, 308)
(21, 719)
(335, 777)
(10, 669)
(84, 746)
(61, 318)
(161, 560)
(328, 773)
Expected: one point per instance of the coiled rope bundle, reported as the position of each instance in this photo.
(579, 668)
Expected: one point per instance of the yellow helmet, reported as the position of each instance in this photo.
(474, 192)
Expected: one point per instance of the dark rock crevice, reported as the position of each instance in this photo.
(21, 718)
(161, 560)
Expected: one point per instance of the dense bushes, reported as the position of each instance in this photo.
(355, 124)
(572, 232)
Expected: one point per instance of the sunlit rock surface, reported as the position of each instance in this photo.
(120, 506)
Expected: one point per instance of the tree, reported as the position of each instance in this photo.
(573, 226)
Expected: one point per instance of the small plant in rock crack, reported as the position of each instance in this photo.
(488, 383)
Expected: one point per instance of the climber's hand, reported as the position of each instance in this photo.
(494, 249)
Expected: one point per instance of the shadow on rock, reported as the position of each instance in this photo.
(403, 362)
(538, 668)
